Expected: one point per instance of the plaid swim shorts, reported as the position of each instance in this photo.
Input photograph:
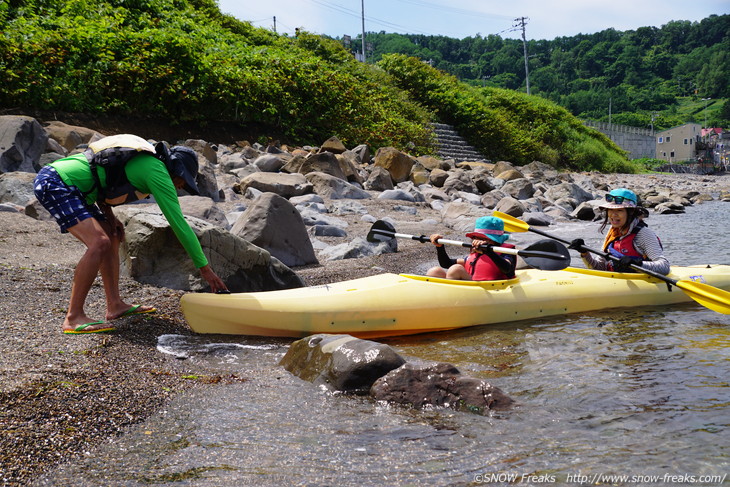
(65, 203)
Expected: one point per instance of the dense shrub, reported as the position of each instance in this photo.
(164, 57)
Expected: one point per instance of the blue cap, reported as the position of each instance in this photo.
(489, 227)
(620, 198)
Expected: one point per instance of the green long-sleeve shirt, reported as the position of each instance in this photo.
(148, 175)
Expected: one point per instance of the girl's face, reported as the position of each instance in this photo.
(617, 217)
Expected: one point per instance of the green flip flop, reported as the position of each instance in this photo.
(82, 329)
(134, 310)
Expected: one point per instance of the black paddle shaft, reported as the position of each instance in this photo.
(606, 255)
(544, 254)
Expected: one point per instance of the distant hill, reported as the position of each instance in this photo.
(634, 75)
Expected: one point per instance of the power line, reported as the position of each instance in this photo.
(521, 21)
(375, 22)
(370, 20)
(448, 8)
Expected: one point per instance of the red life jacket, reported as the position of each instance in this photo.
(482, 267)
(624, 247)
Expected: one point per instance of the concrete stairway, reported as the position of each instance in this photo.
(453, 146)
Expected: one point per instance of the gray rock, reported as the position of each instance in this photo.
(70, 136)
(586, 211)
(331, 187)
(347, 207)
(22, 141)
(272, 223)
(340, 362)
(537, 219)
(510, 206)
(311, 216)
(357, 248)
(396, 194)
(151, 254)
(519, 188)
(285, 185)
(10, 208)
(306, 198)
(459, 180)
(270, 162)
(570, 190)
(17, 187)
(379, 180)
(363, 153)
(327, 231)
(203, 208)
(438, 385)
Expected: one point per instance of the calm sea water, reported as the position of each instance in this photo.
(622, 397)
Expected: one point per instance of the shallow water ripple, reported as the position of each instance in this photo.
(625, 392)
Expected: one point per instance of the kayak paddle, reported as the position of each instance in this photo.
(547, 255)
(708, 296)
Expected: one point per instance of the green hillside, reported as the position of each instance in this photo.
(184, 60)
(632, 76)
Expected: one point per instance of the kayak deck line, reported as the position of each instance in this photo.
(402, 304)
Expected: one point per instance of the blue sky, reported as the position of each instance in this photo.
(461, 18)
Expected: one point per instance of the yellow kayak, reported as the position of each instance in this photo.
(403, 304)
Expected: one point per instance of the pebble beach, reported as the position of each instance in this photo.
(60, 395)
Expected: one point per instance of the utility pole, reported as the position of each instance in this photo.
(704, 112)
(610, 125)
(363, 30)
(521, 23)
(274, 24)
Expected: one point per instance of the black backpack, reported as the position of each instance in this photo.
(112, 153)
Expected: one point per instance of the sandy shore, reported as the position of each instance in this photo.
(60, 394)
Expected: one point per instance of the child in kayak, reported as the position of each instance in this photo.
(483, 263)
(629, 238)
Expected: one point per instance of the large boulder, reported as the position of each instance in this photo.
(332, 187)
(358, 248)
(379, 180)
(208, 150)
(286, 185)
(325, 162)
(349, 165)
(203, 208)
(270, 162)
(431, 163)
(22, 141)
(206, 179)
(152, 254)
(273, 223)
(333, 145)
(397, 163)
(459, 180)
(438, 385)
(362, 152)
(510, 206)
(568, 190)
(340, 362)
(519, 188)
(70, 136)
